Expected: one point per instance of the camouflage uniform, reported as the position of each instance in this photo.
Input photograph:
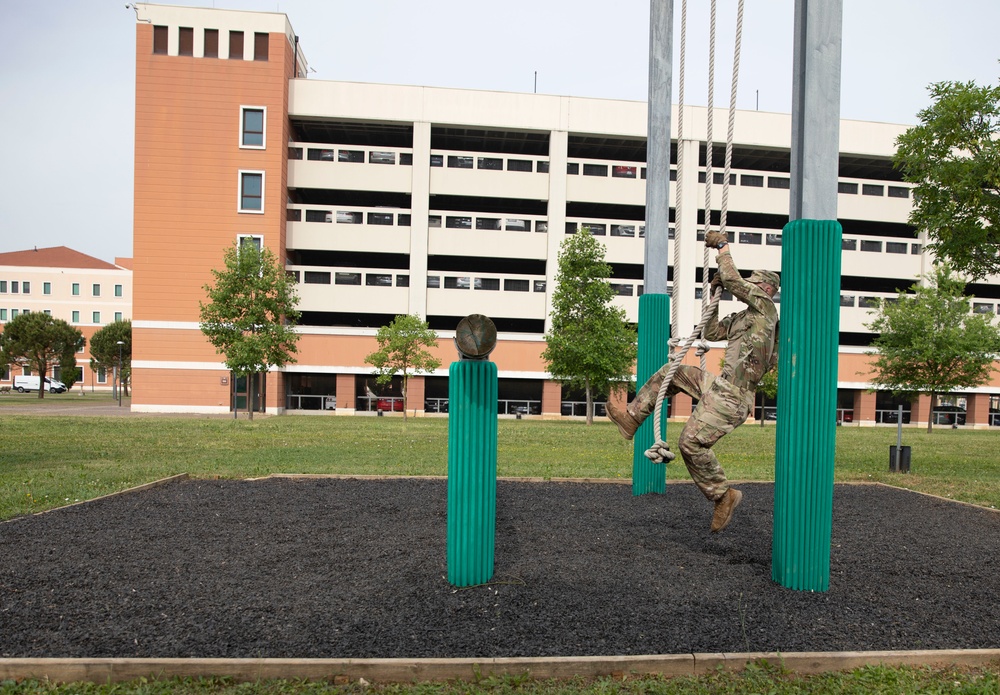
(724, 401)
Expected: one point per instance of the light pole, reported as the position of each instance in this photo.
(120, 343)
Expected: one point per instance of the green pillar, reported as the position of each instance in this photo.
(654, 351)
(807, 404)
(472, 471)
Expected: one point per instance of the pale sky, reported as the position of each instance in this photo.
(67, 76)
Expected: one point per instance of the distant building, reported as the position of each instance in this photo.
(384, 199)
(84, 291)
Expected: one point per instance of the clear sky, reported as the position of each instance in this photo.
(67, 76)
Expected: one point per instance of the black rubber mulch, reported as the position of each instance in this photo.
(354, 568)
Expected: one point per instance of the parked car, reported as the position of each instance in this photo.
(30, 383)
(949, 415)
(389, 404)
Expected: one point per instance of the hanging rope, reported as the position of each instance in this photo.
(659, 452)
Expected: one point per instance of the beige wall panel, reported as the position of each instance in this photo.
(497, 184)
(479, 242)
(347, 237)
(352, 176)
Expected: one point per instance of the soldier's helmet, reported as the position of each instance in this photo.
(771, 278)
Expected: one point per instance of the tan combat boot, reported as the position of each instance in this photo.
(724, 508)
(627, 424)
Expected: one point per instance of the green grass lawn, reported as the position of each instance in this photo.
(48, 461)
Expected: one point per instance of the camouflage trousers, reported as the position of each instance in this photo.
(722, 407)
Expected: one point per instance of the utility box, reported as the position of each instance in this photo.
(904, 459)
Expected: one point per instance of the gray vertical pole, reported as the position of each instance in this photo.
(654, 305)
(815, 109)
(661, 49)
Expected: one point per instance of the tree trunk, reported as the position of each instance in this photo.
(404, 397)
(590, 403)
(41, 380)
(930, 413)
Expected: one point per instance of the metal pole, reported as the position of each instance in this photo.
(120, 343)
(899, 434)
(661, 48)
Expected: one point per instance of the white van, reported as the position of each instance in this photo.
(30, 383)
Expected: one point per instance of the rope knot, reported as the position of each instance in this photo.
(660, 453)
(702, 347)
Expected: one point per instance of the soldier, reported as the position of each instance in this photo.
(724, 401)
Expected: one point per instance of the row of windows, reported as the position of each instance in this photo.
(185, 43)
(14, 313)
(24, 287)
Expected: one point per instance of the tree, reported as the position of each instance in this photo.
(930, 342)
(953, 159)
(104, 351)
(38, 341)
(250, 317)
(401, 350)
(590, 345)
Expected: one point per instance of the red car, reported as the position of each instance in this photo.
(389, 404)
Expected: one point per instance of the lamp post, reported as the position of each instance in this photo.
(120, 343)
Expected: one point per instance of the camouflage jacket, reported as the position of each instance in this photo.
(752, 333)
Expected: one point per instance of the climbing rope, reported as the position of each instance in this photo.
(659, 452)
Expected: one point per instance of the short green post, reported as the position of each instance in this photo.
(472, 471)
(807, 404)
(654, 351)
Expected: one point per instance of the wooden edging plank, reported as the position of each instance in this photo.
(418, 670)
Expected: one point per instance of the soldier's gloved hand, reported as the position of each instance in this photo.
(715, 240)
(716, 283)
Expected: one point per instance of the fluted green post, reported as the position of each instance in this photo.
(654, 332)
(807, 404)
(472, 471)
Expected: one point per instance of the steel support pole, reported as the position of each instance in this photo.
(810, 308)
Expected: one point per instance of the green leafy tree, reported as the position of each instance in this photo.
(953, 159)
(104, 350)
(69, 376)
(929, 342)
(38, 341)
(401, 350)
(251, 313)
(590, 344)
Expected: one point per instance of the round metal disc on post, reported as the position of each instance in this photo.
(475, 337)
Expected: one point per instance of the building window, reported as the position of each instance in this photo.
(627, 230)
(381, 157)
(350, 217)
(978, 308)
(102, 375)
(185, 41)
(777, 182)
(5, 373)
(573, 168)
(354, 156)
(406, 159)
(118, 316)
(295, 153)
(26, 287)
(457, 283)
(76, 289)
(491, 163)
(595, 169)
(159, 40)
(252, 126)
(487, 284)
(402, 281)
(378, 280)
(519, 165)
(868, 302)
(895, 247)
(871, 246)
(251, 191)
(459, 162)
(458, 222)
(3, 314)
(3, 286)
(96, 289)
(752, 180)
(403, 219)
(847, 300)
(773, 240)
(871, 189)
(211, 43)
(255, 239)
(542, 167)
(539, 285)
(488, 223)
(46, 288)
(751, 237)
(622, 290)
(14, 313)
(236, 45)
(437, 160)
(620, 171)
(76, 317)
(516, 286)
(96, 316)
(316, 277)
(899, 192)
(849, 244)
(118, 290)
(15, 287)
(434, 281)
(347, 278)
(260, 41)
(848, 188)
(915, 249)
(380, 218)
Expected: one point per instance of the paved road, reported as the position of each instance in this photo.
(30, 404)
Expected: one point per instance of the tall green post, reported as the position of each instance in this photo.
(654, 351)
(807, 418)
(472, 471)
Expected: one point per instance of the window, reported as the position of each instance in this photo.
(488, 223)
(5, 373)
(571, 227)
(515, 286)
(519, 165)
(406, 159)
(260, 41)
(849, 244)
(15, 287)
(76, 317)
(118, 316)
(343, 278)
(915, 249)
(459, 162)
(211, 43)
(96, 316)
(102, 375)
(350, 217)
(488, 284)
(318, 216)
(316, 277)
(597, 229)
(3, 314)
(621, 290)
(595, 169)
(251, 191)
(255, 239)
(847, 300)
(118, 290)
(849, 188)
(235, 45)
(772, 239)
(295, 153)
(437, 160)
(26, 287)
(317, 155)
(491, 163)
(978, 308)
(895, 247)
(620, 171)
(434, 281)
(378, 280)
(871, 246)
(96, 289)
(381, 218)
(434, 221)
(455, 283)
(159, 40)
(868, 302)
(750, 237)
(252, 126)
(381, 157)
(516, 224)
(403, 219)
(572, 168)
(352, 156)
(3, 286)
(623, 230)
(542, 167)
(539, 285)
(185, 43)
(402, 281)
(752, 180)
(458, 222)
(899, 192)
(777, 182)
(14, 313)
(293, 274)
(871, 189)
(47, 288)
